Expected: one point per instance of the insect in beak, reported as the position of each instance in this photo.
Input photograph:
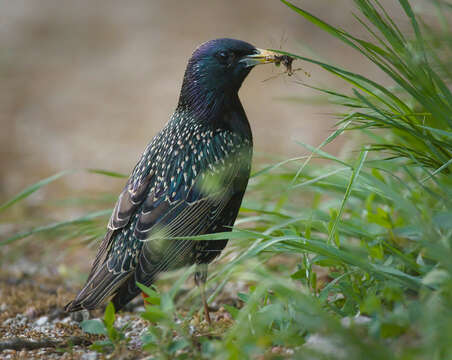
(260, 57)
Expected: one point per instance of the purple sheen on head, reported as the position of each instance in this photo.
(210, 47)
(209, 83)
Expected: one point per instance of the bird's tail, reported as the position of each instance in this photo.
(125, 293)
(99, 286)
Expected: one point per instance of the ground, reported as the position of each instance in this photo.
(33, 324)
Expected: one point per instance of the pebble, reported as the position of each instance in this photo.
(66, 320)
(19, 320)
(8, 322)
(358, 320)
(89, 356)
(42, 320)
(327, 346)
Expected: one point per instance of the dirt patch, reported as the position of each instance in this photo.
(33, 324)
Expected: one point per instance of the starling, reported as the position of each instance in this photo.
(189, 181)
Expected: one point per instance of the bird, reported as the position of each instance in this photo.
(190, 180)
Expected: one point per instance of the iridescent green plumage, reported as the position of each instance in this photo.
(190, 180)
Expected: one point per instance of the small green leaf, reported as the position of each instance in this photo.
(148, 338)
(177, 345)
(154, 314)
(101, 346)
(114, 335)
(94, 326)
(153, 297)
(243, 297)
(299, 274)
(109, 316)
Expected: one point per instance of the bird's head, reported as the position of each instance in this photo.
(220, 66)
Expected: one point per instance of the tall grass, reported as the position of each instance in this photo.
(371, 275)
(381, 225)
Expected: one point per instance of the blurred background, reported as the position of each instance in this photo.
(87, 84)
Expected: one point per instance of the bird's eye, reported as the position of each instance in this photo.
(223, 56)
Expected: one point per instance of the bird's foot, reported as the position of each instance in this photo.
(207, 314)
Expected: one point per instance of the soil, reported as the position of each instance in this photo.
(33, 324)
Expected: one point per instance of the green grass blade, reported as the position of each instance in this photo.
(107, 173)
(353, 177)
(321, 177)
(38, 185)
(57, 225)
(318, 150)
(33, 188)
(441, 168)
(320, 23)
(356, 80)
(277, 165)
(409, 11)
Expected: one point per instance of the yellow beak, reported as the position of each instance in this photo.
(261, 57)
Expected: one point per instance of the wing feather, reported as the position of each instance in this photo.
(149, 212)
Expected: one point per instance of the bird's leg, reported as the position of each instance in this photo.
(200, 281)
(144, 296)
